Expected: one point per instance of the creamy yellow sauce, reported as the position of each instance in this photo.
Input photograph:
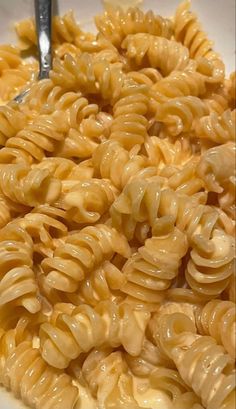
(148, 397)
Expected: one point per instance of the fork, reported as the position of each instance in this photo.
(43, 19)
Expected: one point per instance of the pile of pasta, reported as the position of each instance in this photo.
(117, 216)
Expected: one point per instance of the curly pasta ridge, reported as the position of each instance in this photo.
(218, 129)
(192, 353)
(129, 126)
(112, 161)
(11, 121)
(142, 48)
(188, 31)
(217, 319)
(89, 75)
(87, 201)
(116, 24)
(149, 272)
(22, 184)
(178, 114)
(87, 327)
(103, 364)
(27, 375)
(18, 285)
(81, 253)
(177, 84)
(102, 284)
(9, 57)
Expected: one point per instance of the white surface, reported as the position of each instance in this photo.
(218, 18)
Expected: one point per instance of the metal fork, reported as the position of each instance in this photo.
(43, 20)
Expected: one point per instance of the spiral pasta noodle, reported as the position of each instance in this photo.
(149, 271)
(218, 129)
(170, 381)
(101, 365)
(112, 161)
(217, 169)
(38, 385)
(216, 166)
(171, 56)
(45, 231)
(129, 126)
(218, 99)
(88, 201)
(188, 30)
(20, 183)
(14, 80)
(81, 253)
(11, 121)
(17, 282)
(86, 74)
(177, 331)
(116, 24)
(178, 113)
(102, 284)
(9, 57)
(150, 359)
(89, 327)
(178, 84)
(217, 319)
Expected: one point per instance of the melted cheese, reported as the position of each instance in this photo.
(148, 397)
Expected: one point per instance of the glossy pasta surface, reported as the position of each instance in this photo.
(117, 216)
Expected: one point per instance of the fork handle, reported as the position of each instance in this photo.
(43, 18)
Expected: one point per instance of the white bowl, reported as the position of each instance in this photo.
(217, 17)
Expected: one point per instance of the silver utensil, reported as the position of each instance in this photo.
(43, 20)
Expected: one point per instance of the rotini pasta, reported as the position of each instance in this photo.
(150, 359)
(38, 385)
(102, 364)
(217, 170)
(86, 74)
(11, 121)
(191, 354)
(217, 318)
(88, 201)
(218, 129)
(17, 283)
(45, 231)
(116, 24)
(112, 161)
(9, 57)
(129, 126)
(218, 99)
(31, 187)
(102, 284)
(178, 84)
(89, 327)
(149, 272)
(188, 31)
(178, 114)
(14, 80)
(170, 56)
(81, 253)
